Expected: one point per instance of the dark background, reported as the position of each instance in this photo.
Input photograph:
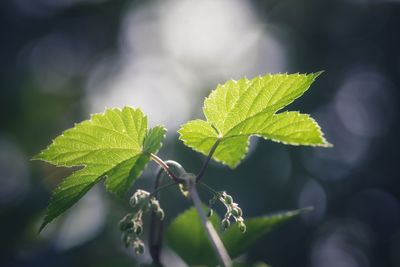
(61, 60)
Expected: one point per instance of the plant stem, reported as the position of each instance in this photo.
(156, 225)
(212, 191)
(165, 166)
(177, 166)
(218, 246)
(207, 160)
(159, 189)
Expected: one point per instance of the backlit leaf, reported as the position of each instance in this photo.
(115, 144)
(187, 238)
(239, 109)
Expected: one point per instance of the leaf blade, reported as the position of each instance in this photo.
(238, 243)
(115, 144)
(288, 127)
(242, 108)
(68, 193)
(187, 238)
(122, 176)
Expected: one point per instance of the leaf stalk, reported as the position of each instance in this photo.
(207, 160)
(218, 246)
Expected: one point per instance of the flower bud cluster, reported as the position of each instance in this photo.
(131, 225)
(233, 211)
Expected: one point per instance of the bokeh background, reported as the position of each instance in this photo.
(62, 60)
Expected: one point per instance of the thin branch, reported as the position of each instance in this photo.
(212, 191)
(218, 246)
(177, 166)
(159, 189)
(165, 166)
(207, 160)
(156, 225)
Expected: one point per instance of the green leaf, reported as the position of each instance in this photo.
(153, 141)
(237, 243)
(237, 110)
(187, 238)
(115, 144)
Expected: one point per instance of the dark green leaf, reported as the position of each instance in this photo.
(187, 238)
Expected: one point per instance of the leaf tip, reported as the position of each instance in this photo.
(38, 156)
(328, 145)
(324, 143)
(35, 157)
(43, 225)
(318, 73)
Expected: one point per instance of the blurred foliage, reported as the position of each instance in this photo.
(185, 235)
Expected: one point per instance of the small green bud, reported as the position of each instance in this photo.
(160, 214)
(155, 205)
(242, 227)
(222, 194)
(139, 198)
(142, 193)
(125, 225)
(126, 222)
(138, 247)
(133, 201)
(225, 224)
(184, 189)
(228, 199)
(210, 213)
(138, 229)
(237, 212)
(126, 239)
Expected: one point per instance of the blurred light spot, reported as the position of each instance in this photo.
(84, 221)
(166, 58)
(378, 209)
(14, 173)
(140, 32)
(341, 244)
(203, 31)
(55, 59)
(349, 151)
(365, 104)
(313, 195)
(147, 84)
(217, 37)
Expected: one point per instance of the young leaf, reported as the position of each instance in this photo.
(186, 236)
(238, 109)
(115, 144)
